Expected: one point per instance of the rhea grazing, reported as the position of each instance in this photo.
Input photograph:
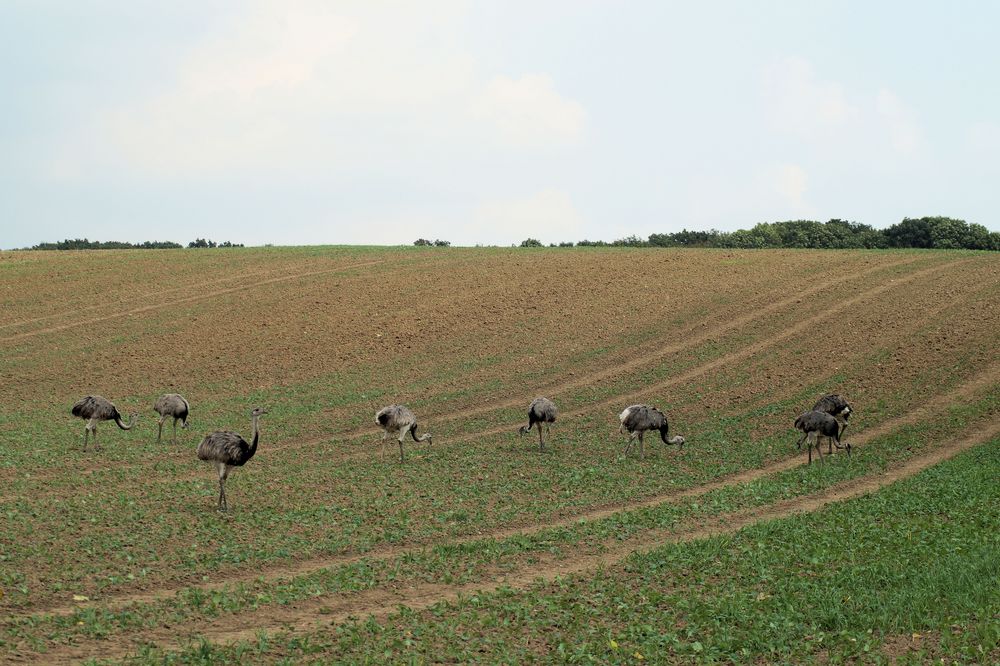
(94, 409)
(171, 404)
(836, 406)
(399, 420)
(228, 450)
(540, 411)
(637, 419)
(815, 424)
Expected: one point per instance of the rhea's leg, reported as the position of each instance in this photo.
(159, 432)
(642, 448)
(175, 431)
(541, 444)
(97, 445)
(400, 449)
(381, 455)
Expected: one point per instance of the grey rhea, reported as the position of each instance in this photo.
(398, 420)
(228, 450)
(815, 424)
(836, 406)
(94, 409)
(637, 419)
(175, 405)
(540, 411)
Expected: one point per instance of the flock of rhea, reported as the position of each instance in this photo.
(227, 450)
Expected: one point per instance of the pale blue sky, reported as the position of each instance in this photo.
(369, 122)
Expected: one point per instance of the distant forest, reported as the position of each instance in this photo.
(943, 233)
(84, 244)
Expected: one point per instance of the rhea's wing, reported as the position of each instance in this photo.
(224, 447)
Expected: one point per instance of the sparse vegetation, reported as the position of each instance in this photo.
(122, 552)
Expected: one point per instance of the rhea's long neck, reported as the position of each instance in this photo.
(256, 437)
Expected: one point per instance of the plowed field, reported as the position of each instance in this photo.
(120, 553)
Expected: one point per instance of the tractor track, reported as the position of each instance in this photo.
(700, 369)
(250, 275)
(187, 299)
(321, 612)
(987, 378)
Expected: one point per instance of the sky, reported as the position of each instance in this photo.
(304, 123)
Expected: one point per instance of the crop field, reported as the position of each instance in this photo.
(478, 547)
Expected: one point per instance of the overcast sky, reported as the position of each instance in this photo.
(488, 122)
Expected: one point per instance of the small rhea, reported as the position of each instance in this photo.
(836, 406)
(94, 409)
(815, 424)
(175, 405)
(398, 420)
(228, 450)
(540, 411)
(637, 419)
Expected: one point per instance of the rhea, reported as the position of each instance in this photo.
(540, 411)
(228, 450)
(836, 406)
(175, 405)
(94, 409)
(399, 420)
(815, 424)
(637, 419)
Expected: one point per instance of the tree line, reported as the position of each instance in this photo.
(924, 232)
(84, 244)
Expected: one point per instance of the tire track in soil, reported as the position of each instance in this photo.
(140, 297)
(318, 613)
(186, 299)
(583, 380)
(682, 378)
(933, 406)
(645, 357)
(196, 472)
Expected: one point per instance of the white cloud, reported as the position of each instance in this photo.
(789, 181)
(901, 123)
(528, 111)
(984, 137)
(548, 216)
(802, 103)
(294, 87)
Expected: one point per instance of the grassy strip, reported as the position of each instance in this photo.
(919, 555)
(481, 560)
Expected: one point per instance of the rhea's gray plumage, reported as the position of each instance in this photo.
(836, 406)
(171, 404)
(540, 411)
(398, 420)
(228, 450)
(637, 419)
(94, 409)
(815, 424)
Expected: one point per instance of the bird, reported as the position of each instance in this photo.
(815, 424)
(637, 419)
(540, 411)
(175, 405)
(93, 409)
(228, 450)
(399, 420)
(836, 406)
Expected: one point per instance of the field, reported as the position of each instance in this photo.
(479, 547)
